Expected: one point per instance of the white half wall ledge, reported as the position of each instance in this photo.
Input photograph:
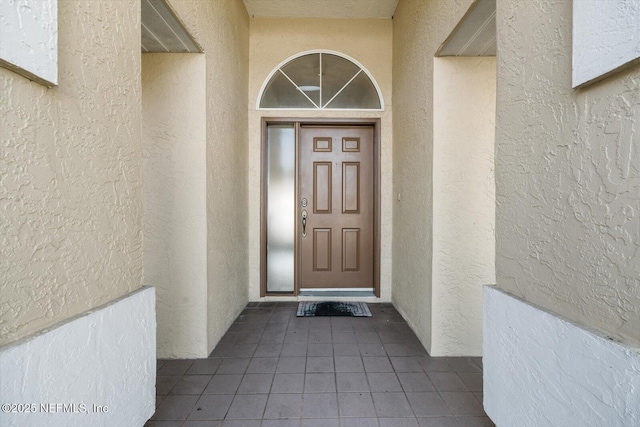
(542, 370)
(96, 369)
(29, 39)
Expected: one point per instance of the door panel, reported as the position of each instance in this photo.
(336, 246)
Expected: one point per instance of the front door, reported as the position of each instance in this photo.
(336, 207)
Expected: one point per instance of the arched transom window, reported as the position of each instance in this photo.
(320, 80)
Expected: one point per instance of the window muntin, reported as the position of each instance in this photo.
(320, 80)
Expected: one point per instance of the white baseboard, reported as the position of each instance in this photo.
(104, 357)
(541, 370)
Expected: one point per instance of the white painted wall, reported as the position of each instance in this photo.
(606, 36)
(29, 39)
(105, 356)
(542, 370)
(464, 98)
(175, 225)
(368, 41)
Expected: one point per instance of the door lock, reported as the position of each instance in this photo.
(304, 203)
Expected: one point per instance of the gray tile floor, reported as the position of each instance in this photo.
(273, 369)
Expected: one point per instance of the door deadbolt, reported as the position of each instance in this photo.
(304, 203)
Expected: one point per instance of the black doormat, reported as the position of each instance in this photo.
(328, 308)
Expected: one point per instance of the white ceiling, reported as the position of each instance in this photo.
(321, 8)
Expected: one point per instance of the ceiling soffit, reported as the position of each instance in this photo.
(351, 9)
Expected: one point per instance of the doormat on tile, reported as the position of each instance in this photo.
(324, 308)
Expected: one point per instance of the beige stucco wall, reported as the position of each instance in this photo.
(464, 201)
(174, 122)
(567, 175)
(222, 29)
(368, 41)
(71, 173)
(418, 30)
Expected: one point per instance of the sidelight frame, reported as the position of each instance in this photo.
(298, 123)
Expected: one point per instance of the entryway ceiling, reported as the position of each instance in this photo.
(321, 8)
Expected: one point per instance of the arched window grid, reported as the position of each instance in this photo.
(321, 105)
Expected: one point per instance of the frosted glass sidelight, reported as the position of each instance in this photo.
(281, 162)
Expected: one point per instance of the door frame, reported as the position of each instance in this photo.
(297, 122)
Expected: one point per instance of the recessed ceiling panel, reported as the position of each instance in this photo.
(475, 34)
(162, 31)
(321, 8)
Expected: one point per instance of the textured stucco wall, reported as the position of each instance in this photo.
(104, 357)
(70, 173)
(464, 201)
(418, 30)
(567, 176)
(174, 124)
(368, 41)
(541, 370)
(221, 27)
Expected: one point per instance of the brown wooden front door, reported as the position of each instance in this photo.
(336, 207)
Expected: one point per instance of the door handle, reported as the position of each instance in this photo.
(304, 223)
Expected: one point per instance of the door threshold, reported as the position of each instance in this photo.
(364, 293)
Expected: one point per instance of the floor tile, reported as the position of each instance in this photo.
(281, 423)
(320, 383)
(211, 407)
(367, 350)
(348, 364)
(462, 403)
(340, 349)
(166, 383)
(464, 365)
(175, 367)
(192, 384)
(406, 364)
(473, 381)
(319, 405)
(204, 366)
(398, 422)
(247, 406)
(242, 423)
(352, 381)
(428, 404)
(320, 337)
(325, 371)
(291, 365)
(281, 406)
(175, 407)
(323, 422)
(359, 422)
(415, 381)
(320, 364)
(392, 405)
(356, 405)
(288, 383)
(377, 364)
(236, 365)
(268, 349)
(255, 383)
(315, 350)
(384, 382)
(346, 337)
(294, 349)
(262, 365)
(223, 384)
(447, 381)
(202, 424)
